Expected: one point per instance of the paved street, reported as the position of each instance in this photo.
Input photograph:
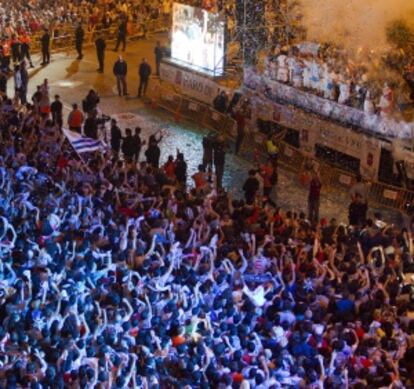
(72, 79)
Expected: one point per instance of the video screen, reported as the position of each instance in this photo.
(198, 38)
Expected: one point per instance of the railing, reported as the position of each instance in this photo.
(200, 113)
(292, 159)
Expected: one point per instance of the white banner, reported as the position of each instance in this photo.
(191, 84)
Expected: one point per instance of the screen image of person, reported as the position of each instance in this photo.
(198, 38)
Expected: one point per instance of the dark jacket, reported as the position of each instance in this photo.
(90, 102)
(153, 155)
(3, 82)
(45, 40)
(79, 34)
(122, 29)
(128, 146)
(158, 54)
(90, 128)
(251, 186)
(144, 70)
(138, 142)
(116, 137)
(120, 68)
(181, 171)
(56, 108)
(100, 45)
(220, 103)
(219, 154)
(207, 149)
(25, 77)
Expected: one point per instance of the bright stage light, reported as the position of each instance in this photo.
(198, 38)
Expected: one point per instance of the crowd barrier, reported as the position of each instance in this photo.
(200, 113)
(291, 158)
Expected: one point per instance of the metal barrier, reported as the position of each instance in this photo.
(290, 157)
(387, 196)
(170, 101)
(201, 113)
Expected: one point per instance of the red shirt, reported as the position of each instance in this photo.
(200, 180)
(267, 173)
(169, 169)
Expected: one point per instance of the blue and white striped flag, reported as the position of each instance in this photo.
(82, 144)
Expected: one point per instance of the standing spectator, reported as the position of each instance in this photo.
(357, 211)
(3, 83)
(25, 82)
(200, 179)
(75, 119)
(44, 104)
(122, 33)
(90, 102)
(359, 199)
(220, 102)
(208, 145)
(144, 75)
(100, 52)
(158, 57)
(79, 35)
(128, 146)
(45, 41)
(169, 168)
(314, 195)
(15, 48)
(181, 169)
(18, 84)
(269, 174)
(138, 144)
(6, 54)
(361, 189)
(219, 159)
(90, 127)
(241, 123)
(56, 109)
(120, 71)
(36, 98)
(272, 149)
(153, 152)
(250, 187)
(25, 48)
(116, 137)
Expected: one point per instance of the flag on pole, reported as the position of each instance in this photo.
(82, 144)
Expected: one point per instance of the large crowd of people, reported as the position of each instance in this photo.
(308, 68)
(114, 273)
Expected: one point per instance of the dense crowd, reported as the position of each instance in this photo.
(113, 274)
(34, 15)
(307, 67)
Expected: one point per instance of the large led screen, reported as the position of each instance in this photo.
(198, 38)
